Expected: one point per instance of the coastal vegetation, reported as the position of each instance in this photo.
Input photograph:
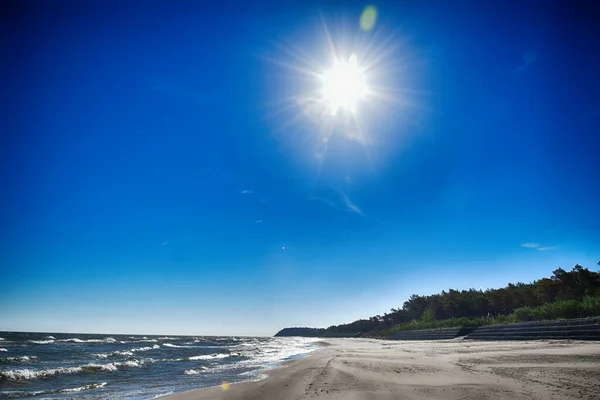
(572, 294)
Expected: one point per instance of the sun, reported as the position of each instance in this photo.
(344, 85)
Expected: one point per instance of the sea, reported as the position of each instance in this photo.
(86, 366)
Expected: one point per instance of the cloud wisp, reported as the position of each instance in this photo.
(350, 205)
(345, 204)
(538, 247)
(247, 191)
(530, 245)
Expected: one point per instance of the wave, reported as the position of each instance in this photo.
(41, 341)
(175, 346)
(2, 349)
(77, 340)
(146, 348)
(122, 353)
(126, 353)
(18, 359)
(22, 393)
(1, 338)
(82, 388)
(198, 340)
(195, 371)
(28, 374)
(114, 353)
(167, 338)
(210, 357)
(50, 337)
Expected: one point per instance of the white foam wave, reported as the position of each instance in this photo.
(41, 341)
(167, 338)
(77, 340)
(22, 393)
(82, 388)
(19, 359)
(73, 340)
(50, 337)
(146, 348)
(208, 357)
(28, 374)
(2, 349)
(175, 346)
(132, 363)
(201, 339)
(114, 353)
(195, 371)
(1, 338)
(126, 353)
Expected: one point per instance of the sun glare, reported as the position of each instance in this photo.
(344, 85)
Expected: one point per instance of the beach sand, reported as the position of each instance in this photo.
(363, 369)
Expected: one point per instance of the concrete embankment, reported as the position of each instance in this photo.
(574, 329)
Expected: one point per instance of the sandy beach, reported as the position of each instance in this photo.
(363, 369)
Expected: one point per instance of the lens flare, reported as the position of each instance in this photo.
(225, 386)
(368, 18)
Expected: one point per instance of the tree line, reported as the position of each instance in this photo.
(576, 285)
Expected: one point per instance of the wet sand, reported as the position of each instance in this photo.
(363, 369)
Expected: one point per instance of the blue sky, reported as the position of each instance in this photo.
(162, 173)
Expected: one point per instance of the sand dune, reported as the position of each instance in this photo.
(361, 369)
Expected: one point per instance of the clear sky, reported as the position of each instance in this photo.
(166, 167)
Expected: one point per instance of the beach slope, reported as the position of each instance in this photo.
(362, 369)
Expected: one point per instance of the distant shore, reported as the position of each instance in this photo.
(356, 369)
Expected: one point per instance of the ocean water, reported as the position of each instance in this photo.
(82, 366)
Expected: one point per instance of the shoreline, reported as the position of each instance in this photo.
(267, 372)
(357, 369)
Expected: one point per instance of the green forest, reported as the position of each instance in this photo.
(573, 294)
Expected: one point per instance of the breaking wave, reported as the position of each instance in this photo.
(41, 341)
(22, 393)
(77, 340)
(28, 374)
(196, 371)
(82, 388)
(155, 347)
(125, 353)
(18, 359)
(210, 357)
(175, 346)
